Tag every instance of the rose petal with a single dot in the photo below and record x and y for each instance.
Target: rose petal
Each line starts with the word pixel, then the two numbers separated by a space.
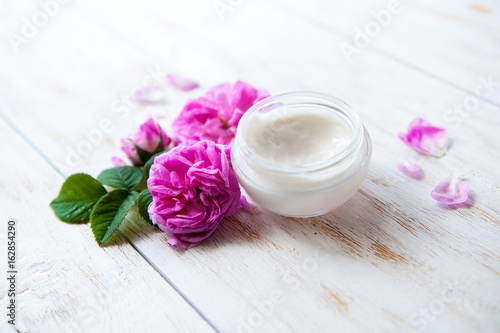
pixel 181 82
pixel 425 138
pixel 411 169
pixel 187 241
pixel 148 94
pixel 451 191
pixel 117 161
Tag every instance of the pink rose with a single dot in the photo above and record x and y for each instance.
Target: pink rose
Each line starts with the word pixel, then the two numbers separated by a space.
pixel 216 115
pixel 193 188
pixel 149 139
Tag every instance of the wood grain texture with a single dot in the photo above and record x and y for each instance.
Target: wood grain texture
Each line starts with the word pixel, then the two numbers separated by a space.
pixel 390 259
pixel 455 41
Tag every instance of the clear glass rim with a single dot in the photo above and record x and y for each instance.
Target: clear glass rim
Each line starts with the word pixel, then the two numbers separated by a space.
pixel 296 98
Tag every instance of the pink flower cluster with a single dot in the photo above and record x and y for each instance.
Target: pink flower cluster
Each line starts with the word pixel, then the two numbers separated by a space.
pixel 193 186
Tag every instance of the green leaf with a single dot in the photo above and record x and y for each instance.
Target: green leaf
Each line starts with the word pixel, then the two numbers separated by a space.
pixel 77 197
pixel 143 185
pixel 143 202
pixel 109 212
pixel 149 163
pixel 124 177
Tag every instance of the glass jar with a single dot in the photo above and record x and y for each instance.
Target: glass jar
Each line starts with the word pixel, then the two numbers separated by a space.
pixel 285 168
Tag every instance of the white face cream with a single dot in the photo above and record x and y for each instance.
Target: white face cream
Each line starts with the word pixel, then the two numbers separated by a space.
pixel 301 154
pixel 299 138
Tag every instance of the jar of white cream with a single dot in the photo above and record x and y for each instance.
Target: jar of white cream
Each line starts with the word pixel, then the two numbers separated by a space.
pixel 301 154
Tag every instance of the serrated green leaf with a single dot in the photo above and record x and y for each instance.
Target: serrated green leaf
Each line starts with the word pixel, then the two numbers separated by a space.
pixel 143 202
pixel 77 197
pixel 149 163
pixel 109 212
pixel 143 185
pixel 124 177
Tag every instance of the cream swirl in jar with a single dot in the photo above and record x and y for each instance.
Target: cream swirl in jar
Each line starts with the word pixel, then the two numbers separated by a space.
pixel 301 154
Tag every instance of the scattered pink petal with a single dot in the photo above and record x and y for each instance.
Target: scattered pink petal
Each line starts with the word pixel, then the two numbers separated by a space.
pixel 451 191
pixel 181 82
pixel 425 138
pixel 149 94
pixel 117 161
pixel 411 169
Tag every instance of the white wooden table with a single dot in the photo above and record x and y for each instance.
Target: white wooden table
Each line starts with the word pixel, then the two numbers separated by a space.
pixel 389 260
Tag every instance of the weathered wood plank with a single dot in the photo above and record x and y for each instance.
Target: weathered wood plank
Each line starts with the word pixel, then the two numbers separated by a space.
pixel 456 41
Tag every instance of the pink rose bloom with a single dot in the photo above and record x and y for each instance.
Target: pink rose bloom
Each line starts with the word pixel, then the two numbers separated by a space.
pixel 216 115
pixel 149 139
pixel 193 188
pixel 425 138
